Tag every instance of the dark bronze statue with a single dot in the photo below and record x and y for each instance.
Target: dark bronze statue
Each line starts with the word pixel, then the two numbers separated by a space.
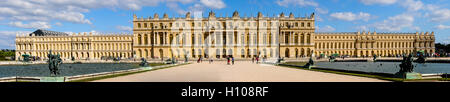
pixel 310 62
pixel 420 59
pixel 406 66
pixel 332 58
pixel 53 63
pixel 375 58
pixel 144 62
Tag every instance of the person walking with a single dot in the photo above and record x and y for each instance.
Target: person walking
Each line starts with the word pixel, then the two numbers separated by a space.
pixel 257 60
pixel 232 60
pixel 253 60
pixel 228 60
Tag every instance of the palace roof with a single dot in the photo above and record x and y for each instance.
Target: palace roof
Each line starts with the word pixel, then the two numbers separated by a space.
pixel 41 32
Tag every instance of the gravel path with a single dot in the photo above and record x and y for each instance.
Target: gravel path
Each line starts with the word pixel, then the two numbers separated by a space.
pixel 242 71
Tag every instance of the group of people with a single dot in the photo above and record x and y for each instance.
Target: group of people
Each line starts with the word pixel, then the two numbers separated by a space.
pixel 230 58
pixel 201 59
pixel 255 58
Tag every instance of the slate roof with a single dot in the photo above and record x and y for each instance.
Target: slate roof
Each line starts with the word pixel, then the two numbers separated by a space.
pixel 42 32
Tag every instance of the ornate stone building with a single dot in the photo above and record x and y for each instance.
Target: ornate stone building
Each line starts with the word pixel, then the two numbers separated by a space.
pixel 219 37
pixel 80 46
pixel 373 43
pixel 246 37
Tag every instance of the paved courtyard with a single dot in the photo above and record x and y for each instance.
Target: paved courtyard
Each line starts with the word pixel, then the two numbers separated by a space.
pixel 242 71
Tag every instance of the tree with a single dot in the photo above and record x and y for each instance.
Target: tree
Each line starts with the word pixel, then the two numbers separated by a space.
pixel 6 53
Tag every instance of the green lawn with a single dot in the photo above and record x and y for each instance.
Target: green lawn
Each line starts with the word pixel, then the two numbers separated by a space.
pixel 156 64
pixel 296 63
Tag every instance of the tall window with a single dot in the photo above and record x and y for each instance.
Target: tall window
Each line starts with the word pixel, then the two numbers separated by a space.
pixel 242 38
pixel 139 39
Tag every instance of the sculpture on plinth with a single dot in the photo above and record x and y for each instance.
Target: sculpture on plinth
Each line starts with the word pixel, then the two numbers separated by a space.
pixel 421 59
pixel 407 69
pixel 53 63
pixel 406 65
pixel 143 63
pixel 173 60
pixel 310 62
pixel 375 58
pixel 332 58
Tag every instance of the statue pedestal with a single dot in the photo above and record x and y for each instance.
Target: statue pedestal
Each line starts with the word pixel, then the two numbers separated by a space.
pixel 411 75
pixel 146 68
pixel 308 66
pixel 52 79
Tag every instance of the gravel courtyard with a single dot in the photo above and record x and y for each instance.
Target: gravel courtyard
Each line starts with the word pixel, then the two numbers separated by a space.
pixel 241 71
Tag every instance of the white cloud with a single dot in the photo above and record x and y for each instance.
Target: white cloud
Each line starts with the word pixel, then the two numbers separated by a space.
pixel 196 10
pixel 124 28
pixel 73 10
pixel 397 23
pixel 394 23
pixel 46 10
pixel 325 29
pixel 217 4
pixel 412 5
pixel 321 10
pixel 446 41
pixel 7 40
pixel 440 26
pixel 383 2
pixel 303 3
pixel 58 24
pixel 362 28
pixel 318 18
pixel 10 11
pixel 349 16
pixel 35 25
pixel 176 8
pixel 439 14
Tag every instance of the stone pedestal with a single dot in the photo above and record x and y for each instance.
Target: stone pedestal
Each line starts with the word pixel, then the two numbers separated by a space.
pixel 308 66
pixel 410 75
pixel 147 68
pixel 52 79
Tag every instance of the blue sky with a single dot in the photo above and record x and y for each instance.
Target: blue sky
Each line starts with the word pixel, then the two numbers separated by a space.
pixel 114 16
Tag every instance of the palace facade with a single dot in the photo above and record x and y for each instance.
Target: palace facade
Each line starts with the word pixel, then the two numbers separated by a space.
pixel 79 45
pixel 218 37
pixel 246 37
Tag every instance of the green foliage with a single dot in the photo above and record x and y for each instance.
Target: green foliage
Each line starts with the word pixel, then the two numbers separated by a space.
pixel 6 53
pixel 442 48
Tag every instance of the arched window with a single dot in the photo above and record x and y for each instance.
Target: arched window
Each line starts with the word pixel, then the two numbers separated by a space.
pixel 139 39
